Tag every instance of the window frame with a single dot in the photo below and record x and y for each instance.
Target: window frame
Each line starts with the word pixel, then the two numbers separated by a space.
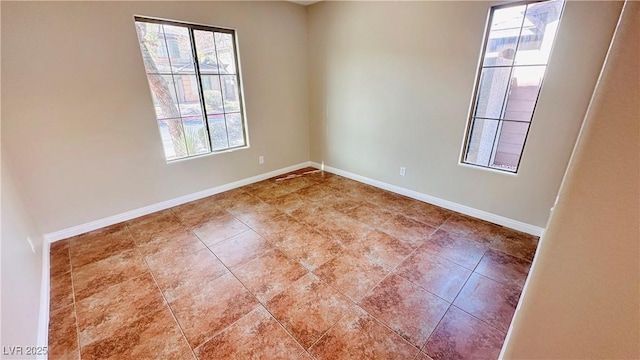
pixel 198 75
pixel 478 77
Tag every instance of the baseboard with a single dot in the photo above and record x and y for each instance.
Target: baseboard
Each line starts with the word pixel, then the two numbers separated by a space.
pixel 480 214
pixel 43 313
pixel 132 214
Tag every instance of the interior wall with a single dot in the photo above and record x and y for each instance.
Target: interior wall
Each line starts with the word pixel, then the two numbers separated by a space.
pixel 582 300
pixel 21 268
pixel 391 85
pixel 78 118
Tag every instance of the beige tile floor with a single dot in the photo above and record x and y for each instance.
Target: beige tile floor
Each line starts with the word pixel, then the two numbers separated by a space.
pixel 308 266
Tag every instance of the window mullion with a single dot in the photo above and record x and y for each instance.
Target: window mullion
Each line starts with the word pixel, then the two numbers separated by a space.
pixel 506 94
pixel 196 67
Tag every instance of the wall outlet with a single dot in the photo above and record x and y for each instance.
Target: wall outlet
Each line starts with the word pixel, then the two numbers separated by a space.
pixel 403 170
pixel 261 160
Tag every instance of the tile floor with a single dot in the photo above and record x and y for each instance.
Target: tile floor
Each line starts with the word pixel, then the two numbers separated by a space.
pixel 307 266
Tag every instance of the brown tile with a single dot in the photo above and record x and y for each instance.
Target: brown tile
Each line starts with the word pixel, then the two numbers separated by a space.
pixel 461 336
pixel 408 230
pixel 278 229
pixel 102 314
pixel 470 228
pixel 159 228
pixel 188 274
pixel 351 273
pixel 255 336
pixel 344 229
pixel 427 213
pixel 61 292
pixel 268 275
pixel 382 249
pixel 314 214
pixel 504 268
pixel 341 183
pixel 304 356
pixel 289 202
pixel 157 216
pixel 308 308
pixel 97 276
pixel 489 300
pixel 255 212
pixel 178 246
pixel 310 248
pixel 434 274
pixel 423 356
pixel 462 251
pixel 155 336
pixel 410 311
pixel 241 248
pixel 99 245
pixel 359 336
pixel 63 336
pixel 316 192
pixel 340 202
pixel 219 228
pixel 206 312
pixel 59 261
pixel 362 191
pixel 370 214
pixel 196 212
pixel 321 176
pixel 394 202
pixel 515 243
pixel 274 190
pixel 230 198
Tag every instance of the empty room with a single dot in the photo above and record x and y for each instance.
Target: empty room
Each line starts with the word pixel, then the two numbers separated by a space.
pixel 320 179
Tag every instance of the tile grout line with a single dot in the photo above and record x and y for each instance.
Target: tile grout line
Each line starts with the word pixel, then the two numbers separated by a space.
pixel 155 282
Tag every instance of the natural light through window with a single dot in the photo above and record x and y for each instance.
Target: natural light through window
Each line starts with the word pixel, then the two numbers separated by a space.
pixel 195 85
pixel 515 58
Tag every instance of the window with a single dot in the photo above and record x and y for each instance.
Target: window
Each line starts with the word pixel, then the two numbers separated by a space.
pixel 513 64
pixel 195 85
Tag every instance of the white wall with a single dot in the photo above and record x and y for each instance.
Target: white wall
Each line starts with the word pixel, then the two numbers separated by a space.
pixel 391 85
pixel 583 296
pixel 77 114
pixel 21 267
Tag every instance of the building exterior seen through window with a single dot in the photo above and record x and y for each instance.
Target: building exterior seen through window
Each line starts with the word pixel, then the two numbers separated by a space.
pixel 515 57
pixel 195 86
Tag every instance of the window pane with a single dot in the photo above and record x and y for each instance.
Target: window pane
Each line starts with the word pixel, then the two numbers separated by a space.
pixel 480 143
pixel 230 93
pixel 523 94
pixel 503 35
pixel 234 129
pixel 195 135
pixel 179 49
pixel 539 31
pixel 164 96
pixel 491 92
pixel 172 136
pixel 212 94
pixel 218 132
pixel 206 52
pixel 153 47
pixel 510 145
pixel 188 95
pixel 226 58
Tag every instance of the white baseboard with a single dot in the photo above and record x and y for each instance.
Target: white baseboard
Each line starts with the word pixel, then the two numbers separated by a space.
pixel 132 214
pixel 43 313
pixel 480 214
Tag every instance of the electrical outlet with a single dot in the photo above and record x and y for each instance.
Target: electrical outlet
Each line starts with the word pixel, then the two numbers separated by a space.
pixel 403 170
pixel 261 160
